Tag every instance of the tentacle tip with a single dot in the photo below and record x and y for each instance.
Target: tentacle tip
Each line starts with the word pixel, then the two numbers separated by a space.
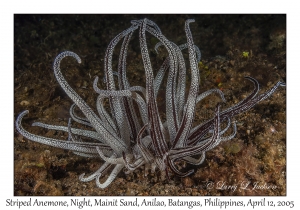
pixel 249 78
pixel 25 112
pixel 127 171
pixel 282 84
pixel 81 176
pixel 96 81
pixel 219 105
pixel 190 20
pixel 22 114
pixel 191 171
pixel 187 173
pixel 35 124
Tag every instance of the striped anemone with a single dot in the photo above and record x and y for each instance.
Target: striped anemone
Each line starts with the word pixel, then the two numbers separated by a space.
pixel 134 133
